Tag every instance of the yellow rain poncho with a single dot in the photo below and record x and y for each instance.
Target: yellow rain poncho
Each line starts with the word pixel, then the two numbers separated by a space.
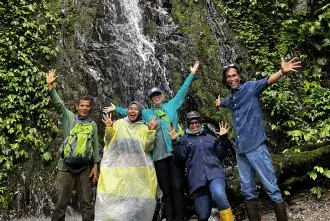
pixel 127 184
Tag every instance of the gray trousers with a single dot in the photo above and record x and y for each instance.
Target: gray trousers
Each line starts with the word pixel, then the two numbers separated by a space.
pixel 65 183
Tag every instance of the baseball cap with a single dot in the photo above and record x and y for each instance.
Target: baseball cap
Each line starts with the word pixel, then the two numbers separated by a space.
pixel 154 90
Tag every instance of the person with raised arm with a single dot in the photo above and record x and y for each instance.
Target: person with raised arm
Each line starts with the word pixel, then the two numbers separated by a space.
pixel 252 155
pixel 169 173
pixel 127 184
pixel 203 154
pixel 79 169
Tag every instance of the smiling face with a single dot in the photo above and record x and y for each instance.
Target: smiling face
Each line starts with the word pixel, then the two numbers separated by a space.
pixel 133 112
pixel 157 99
pixel 195 126
pixel 232 78
pixel 84 107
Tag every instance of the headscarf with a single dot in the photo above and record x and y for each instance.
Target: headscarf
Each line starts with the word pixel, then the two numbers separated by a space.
pixel 139 105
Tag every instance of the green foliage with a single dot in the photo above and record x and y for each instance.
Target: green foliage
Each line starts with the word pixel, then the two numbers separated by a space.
pixel 287 191
pixel 314 175
pixel 202 44
pixel 27 31
pixel 299 103
pixel 318 191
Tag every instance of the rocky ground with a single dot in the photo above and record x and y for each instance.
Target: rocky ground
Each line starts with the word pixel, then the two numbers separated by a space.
pixel 305 207
pixel 301 207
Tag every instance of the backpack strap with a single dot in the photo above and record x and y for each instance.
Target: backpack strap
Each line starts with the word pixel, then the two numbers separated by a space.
pixel 162 115
pixel 67 137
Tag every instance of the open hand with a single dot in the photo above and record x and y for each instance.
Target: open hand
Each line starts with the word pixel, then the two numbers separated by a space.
pixel 293 65
pixel 109 109
pixel 94 173
pixel 172 132
pixel 107 120
pixel 50 78
pixel 193 70
pixel 152 123
pixel 218 101
pixel 224 127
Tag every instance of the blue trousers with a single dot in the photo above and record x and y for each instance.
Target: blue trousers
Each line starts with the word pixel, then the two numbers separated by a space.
pixel 203 204
pixel 258 162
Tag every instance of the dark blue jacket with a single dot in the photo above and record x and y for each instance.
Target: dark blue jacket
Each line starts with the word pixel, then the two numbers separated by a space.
pixel 203 153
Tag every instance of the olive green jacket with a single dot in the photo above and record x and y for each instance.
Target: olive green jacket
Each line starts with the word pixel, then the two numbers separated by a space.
pixel 67 119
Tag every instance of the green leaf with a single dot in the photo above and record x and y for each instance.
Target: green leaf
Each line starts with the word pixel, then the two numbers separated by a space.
pixel 312 175
pixel 327 173
pixel 319 169
pixel 286 193
pixel 47 156
pixel 317 191
pixel 297 150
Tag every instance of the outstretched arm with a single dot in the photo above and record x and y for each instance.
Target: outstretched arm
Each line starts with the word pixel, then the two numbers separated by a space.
pixel 293 65
pixel 221 102
pixel 60 108
pixel 119 110
pixel 194 69
pixel 180 96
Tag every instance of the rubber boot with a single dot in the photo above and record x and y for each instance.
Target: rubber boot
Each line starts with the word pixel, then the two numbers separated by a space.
pixel 252 209
pixel 226 215
pixel 280 211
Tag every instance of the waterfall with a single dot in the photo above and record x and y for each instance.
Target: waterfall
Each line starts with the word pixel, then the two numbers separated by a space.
pixel 120 57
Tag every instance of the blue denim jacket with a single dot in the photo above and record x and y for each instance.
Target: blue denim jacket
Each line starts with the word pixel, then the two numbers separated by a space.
pixel 203 154
pixel 245 105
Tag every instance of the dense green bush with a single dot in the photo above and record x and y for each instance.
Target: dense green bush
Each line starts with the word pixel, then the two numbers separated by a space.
pixel 271 30
pixel 299 103
pixel 27 31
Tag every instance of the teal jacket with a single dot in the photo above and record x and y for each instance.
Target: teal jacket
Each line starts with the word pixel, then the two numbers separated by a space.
pixel 171 108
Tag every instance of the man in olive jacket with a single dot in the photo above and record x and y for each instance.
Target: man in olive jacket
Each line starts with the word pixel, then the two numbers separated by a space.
pixel 66 179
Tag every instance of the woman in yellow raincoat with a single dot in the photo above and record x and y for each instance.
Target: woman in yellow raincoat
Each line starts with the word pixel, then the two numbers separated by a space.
pixel 127 184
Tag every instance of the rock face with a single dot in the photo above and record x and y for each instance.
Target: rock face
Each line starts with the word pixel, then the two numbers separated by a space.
pixel 115 50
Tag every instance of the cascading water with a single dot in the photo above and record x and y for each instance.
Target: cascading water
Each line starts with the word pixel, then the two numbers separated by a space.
pixel 120 57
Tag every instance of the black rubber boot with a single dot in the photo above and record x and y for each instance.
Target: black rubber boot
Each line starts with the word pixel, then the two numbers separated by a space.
pixel 252 209
pixel 280 211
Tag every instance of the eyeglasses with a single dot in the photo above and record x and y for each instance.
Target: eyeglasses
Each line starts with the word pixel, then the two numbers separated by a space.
pixel 192 123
